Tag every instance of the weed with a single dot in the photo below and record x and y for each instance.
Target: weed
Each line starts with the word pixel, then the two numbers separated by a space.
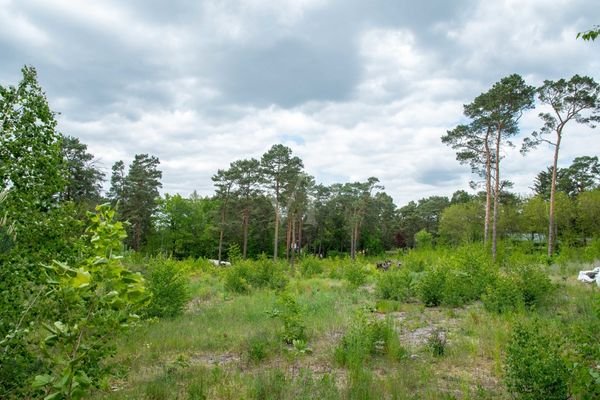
pixel 355 274
pixel 368 337
pixel 431 287
pixel 395 285
pixel 258 347
pixel 534 368
pixel 311 266
pixel 288 310
pixel 169 287
pixel 437 342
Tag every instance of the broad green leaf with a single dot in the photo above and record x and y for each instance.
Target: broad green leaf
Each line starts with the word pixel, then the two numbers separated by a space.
pixel 82 278
pixel 41 381
pixel 62 328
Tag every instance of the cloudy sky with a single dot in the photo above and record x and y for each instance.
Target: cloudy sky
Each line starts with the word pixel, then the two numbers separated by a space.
pixel 356 88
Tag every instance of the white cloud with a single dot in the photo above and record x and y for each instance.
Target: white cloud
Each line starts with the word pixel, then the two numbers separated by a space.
pixel 128 84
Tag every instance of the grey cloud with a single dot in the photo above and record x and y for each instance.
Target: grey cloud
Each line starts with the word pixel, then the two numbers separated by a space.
pixel 200 84
pixel 440 176
pixel 287 73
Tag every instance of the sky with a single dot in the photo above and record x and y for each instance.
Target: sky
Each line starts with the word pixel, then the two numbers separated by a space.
pixel 355 88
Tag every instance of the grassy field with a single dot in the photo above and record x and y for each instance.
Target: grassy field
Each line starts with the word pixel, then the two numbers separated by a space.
pixel 328 333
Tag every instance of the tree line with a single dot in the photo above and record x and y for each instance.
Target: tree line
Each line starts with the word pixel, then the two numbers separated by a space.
pixel 272 205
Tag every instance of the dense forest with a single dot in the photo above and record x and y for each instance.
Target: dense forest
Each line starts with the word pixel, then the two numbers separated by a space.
pixel 65 288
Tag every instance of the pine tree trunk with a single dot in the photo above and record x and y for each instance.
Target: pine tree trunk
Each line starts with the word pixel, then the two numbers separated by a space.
pixel 300 227
pixel 352 255
pixel 488 189
pixel 496 196
pixel 245 223
pixel 138 236
pixel 356 233
pixel 221 235
pixel 293 242
pixel 288 238
pixel 551 216
pixel 276 239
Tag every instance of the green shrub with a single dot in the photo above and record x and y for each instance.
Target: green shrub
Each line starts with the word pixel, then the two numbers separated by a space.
pixel 417 261
pixel 270 385
pixel 431 287
pixel 475 261
pixel 504 295
pixel 311 266
pixel 258 347
pixel 355 274
pixel 367 337
pixel 463 285
pixel 169 288
pixel 533 367
pixel 436 342
pixel 585 352
pixel 458 288
pixel 234 254
pixel 262 273
pixel 289 312
pixel 395 285
pixel 237 277
pixel 266 273
pixel 363 386
pixel 423 240
pixel 334 267
pixel 591 252
pixel 535 284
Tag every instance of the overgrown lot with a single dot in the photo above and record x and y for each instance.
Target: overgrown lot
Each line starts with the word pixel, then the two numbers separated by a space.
pixel 445 324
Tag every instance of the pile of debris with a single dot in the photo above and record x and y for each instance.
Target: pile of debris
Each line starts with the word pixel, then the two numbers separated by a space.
pixel 590 276
pixel 387 264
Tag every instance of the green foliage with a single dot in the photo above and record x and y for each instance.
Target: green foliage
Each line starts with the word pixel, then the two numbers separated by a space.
pixel 423 239
pixel 29 148
pixel 395 285
pixel 168 285
pixel 417 261
pixel 436 342
pixel 469 271
pixel 504 295
pixel 137 194
pixel 289 312
pixel 273 384
pixel 267 273
pixel 590 34
pixel 262 273
pixel 311 266
pixel 431 286
pixel 258 347
pixel 367 337
pixel 462 223
pixel 270 385
pixel 592 251
pixel 281 172
pixel 355 274
pixel 236 278
pixel 84 179
pixel 234 254
pixel 96 298
pixel 184 227
pixel 533 367
pixel 525 286
pixel 588 212
pixel 535 284
pixel 585 352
